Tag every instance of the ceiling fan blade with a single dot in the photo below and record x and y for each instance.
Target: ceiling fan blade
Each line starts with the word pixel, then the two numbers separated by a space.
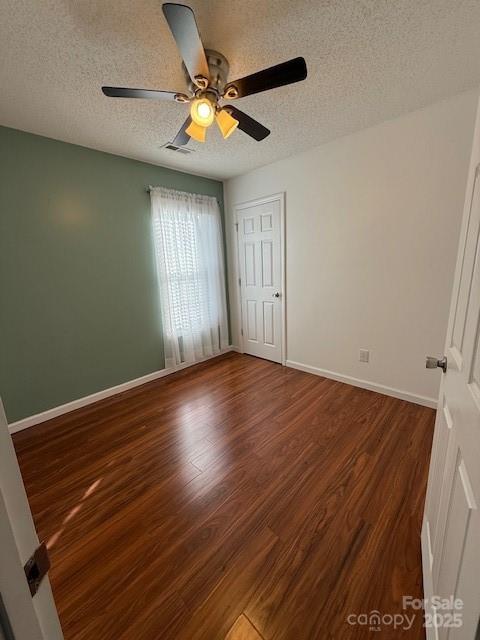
pixel 277 76
pixel 182 138
pixel 247 124
pixel 183 26
pixel 149 94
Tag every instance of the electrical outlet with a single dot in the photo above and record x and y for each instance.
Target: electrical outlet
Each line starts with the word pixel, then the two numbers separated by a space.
pixel 364 355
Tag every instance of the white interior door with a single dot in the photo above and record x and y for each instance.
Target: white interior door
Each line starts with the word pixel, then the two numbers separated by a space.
pixel 22 616
pixel 260 258
pixel 451 527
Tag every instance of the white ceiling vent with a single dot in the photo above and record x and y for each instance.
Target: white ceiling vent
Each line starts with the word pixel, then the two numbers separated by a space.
pixel 173 147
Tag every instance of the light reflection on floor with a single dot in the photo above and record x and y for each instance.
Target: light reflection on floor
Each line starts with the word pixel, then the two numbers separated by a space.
pixel 198 441
pixel 72 513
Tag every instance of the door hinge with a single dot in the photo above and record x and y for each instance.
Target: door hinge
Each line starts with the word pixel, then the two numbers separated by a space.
pixel 241 332
pixel 236 227
pixel 239 282
pixel 36 567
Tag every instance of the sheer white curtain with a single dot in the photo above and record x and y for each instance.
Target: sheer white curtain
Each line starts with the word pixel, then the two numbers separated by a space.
pixel 189 254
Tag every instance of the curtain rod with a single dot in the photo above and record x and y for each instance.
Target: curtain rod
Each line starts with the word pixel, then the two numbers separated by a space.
pixel 149 188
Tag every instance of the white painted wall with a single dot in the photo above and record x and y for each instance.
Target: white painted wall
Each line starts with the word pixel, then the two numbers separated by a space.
pixel 371 238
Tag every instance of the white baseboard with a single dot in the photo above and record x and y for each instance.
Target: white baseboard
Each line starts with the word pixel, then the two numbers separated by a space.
pixel 130 384
pixel 365 384
pixel 100 395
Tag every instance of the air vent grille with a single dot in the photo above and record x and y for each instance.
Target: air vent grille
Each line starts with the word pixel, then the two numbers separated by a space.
pixel 172 147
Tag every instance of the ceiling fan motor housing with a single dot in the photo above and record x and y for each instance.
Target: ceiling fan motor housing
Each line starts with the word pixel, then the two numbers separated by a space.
pixel 218 67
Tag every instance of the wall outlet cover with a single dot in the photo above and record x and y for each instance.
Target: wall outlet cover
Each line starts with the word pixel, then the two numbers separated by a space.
pixel 364 355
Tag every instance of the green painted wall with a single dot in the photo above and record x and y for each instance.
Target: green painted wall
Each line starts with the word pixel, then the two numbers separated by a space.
pixel 79 305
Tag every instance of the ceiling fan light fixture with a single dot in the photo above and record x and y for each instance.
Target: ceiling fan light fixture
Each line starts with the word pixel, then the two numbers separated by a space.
pixel 196 131
pixel 202 112
pixel 226 123
pixel 206 73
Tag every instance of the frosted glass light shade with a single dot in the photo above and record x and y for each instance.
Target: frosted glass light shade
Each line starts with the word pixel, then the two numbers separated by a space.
pixel 226 123
pixel 202 112
pixel 196 132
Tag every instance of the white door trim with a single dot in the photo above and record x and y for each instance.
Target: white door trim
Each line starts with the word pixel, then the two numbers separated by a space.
pixel 237 208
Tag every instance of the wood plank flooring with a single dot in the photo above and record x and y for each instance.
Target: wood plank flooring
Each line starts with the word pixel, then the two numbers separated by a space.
pixel 236 499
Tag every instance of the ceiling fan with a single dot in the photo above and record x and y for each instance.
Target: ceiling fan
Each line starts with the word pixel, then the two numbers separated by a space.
pixel 206 73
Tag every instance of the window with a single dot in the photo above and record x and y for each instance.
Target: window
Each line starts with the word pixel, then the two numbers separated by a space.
pixel 191 273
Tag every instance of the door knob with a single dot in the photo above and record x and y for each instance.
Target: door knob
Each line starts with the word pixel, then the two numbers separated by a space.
pixel 276 294
pixel 433 363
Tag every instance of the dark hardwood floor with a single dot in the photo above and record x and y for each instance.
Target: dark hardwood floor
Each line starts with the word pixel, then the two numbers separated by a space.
pixel 233 499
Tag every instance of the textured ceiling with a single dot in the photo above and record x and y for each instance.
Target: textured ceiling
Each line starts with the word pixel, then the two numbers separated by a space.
pixel 368 61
